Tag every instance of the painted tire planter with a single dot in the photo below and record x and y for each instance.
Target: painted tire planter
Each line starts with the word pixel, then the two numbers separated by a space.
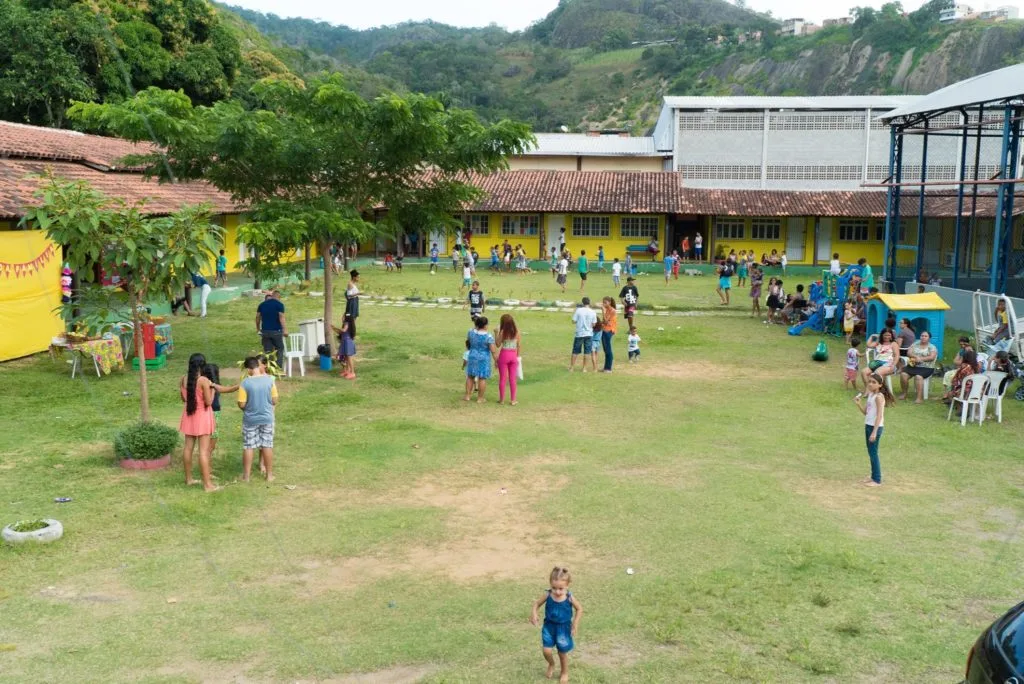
pixel 528 302
pixel 562 305
pixel 444 300
pixel 511 302
pixel 51 533
pixel 145 464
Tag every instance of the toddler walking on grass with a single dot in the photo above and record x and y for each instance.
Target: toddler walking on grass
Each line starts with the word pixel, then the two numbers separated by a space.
pixel 562 613
pixel 852 364
pixel 633 345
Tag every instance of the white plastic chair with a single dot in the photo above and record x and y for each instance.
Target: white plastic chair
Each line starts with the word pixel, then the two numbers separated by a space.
pixel 995 382
pixel 971 400
pixel 869 356
pixel 295 348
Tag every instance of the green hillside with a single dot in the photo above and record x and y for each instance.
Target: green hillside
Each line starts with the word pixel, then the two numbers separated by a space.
pixel 589 63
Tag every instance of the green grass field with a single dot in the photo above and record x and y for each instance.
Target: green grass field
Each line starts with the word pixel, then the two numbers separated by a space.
pixel 723 469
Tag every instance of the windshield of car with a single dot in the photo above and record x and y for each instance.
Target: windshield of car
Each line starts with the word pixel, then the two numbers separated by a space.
pixel 1011 641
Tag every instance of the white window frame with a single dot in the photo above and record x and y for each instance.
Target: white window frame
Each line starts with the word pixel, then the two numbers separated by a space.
pixel 639 227
pixel 588 226
pixel 520 224
pixel 766 228
pixel 846 225
pixel 477 224
pixel 730 228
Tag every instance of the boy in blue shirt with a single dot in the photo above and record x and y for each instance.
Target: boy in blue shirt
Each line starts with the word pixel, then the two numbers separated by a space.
pixel 222 271
pixel 257 397
pixel 433 258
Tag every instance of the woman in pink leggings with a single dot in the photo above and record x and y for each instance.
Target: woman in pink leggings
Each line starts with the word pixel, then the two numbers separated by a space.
pixel 507 342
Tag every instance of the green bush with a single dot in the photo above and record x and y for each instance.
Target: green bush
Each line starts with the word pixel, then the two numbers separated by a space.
pixel 145 441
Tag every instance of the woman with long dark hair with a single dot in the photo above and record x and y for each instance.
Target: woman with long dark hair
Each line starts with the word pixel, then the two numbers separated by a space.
pixel 508 343
pixel 197 419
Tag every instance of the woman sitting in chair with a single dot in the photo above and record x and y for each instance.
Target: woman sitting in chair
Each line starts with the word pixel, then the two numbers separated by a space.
pixel 887 355
pixel 652 248
pixel 921 357
pixel 968 366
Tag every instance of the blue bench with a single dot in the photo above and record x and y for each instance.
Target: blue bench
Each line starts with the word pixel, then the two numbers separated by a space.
pixel 640 249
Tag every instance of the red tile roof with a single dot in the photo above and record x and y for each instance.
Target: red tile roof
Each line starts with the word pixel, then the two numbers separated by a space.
pixel 592 192
pixel 35 142
pixel 17 187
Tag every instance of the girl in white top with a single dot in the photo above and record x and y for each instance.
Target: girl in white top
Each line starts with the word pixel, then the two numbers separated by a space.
pixel 834 267
pixel 873 409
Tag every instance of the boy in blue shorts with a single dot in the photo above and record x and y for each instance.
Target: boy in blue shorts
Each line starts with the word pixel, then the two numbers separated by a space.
pixel 222 271
pixel 257 397
pixel 433 258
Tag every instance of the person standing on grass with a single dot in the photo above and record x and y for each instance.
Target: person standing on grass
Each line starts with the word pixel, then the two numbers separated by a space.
pixel 270 324
pixel 509 344
pixel 347 346
pixel 685 247
pixel 477 301
pixel 352 295
pixel 698 247
pixel 197 422
pixel 257 397
pixel 560 622
pixel 616 271
pixel 585 318
pixel 756 279
pixel 676 259
pixel 582 266
pixel 670 261
pixel 600 258
pixel 563 271
pixel 633 345
pixel 608 330
pixel 222 270
pixel 561 240
pixel 873 409
pixel 629 264
pixel 482 353
pixel 434 253
pixel 724 281
pixel 630 296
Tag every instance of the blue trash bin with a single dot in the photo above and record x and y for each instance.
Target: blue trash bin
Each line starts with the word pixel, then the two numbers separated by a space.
pixel 325 362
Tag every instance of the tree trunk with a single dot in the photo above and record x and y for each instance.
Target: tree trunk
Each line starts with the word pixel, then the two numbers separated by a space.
pixel 140 353
pixel 328 299
pixel 309 275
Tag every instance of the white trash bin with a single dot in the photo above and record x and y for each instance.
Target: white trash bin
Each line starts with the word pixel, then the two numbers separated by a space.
pixel 313 331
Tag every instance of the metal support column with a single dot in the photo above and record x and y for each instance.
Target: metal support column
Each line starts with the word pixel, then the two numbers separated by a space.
pixel 974 192
pixel 919 262
pixel 997 265
pixel 960 200
pixel 1005 207
pixel 892 214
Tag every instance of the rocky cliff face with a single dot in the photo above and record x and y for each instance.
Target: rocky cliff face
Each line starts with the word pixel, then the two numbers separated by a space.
pixel 835 69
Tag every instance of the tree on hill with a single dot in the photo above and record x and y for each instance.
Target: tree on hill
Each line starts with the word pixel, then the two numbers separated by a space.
pixel 315 162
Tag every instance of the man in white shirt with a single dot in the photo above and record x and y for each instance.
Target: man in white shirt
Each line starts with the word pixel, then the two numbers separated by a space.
pixel 616 272
pixel 585 318
pixel 563 272
pixel 834 267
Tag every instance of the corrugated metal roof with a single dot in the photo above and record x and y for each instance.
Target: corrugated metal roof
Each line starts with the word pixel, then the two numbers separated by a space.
pixel 995 86
pixel 579 144
pixel 770 102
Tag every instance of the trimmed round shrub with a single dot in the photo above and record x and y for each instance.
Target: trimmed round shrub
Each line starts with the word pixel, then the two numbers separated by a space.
pixel 145 441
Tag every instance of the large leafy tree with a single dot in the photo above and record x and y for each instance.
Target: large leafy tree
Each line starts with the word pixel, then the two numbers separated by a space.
pixel 314 162
pixel 154 255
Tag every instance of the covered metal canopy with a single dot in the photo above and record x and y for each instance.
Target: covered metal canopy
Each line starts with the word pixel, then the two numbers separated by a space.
pixel 983 111
pixel 996 87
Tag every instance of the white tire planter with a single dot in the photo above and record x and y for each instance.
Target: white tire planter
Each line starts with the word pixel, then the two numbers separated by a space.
pixel 444 300
pixel 511 302
pixel 561 304
pixel 51 533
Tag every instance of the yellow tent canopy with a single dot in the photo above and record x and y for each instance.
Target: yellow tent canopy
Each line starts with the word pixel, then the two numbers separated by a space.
pixel 924 301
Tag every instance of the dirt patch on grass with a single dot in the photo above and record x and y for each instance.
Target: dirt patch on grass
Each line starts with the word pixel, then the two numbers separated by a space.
pixel 492 532
pixel 846 496
pixel 206 672
pixel 994 524
pixel 705 370
pixel 612 656
pixel 400 674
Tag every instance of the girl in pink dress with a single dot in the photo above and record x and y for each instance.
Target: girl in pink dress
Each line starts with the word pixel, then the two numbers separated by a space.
pixel 197 421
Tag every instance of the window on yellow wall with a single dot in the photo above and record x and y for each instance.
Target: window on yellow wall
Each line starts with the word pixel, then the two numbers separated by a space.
pixel 765 229
pixel 853 230
pixel 477 224
pixel 638 227
pixel 591 226
pixel 901 233
pixel 729 228
pixel 520 225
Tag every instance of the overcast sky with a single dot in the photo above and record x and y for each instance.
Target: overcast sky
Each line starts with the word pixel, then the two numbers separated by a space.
pixel 515 14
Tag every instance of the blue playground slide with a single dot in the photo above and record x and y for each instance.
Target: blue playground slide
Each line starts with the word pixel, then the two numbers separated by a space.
pixel 816 322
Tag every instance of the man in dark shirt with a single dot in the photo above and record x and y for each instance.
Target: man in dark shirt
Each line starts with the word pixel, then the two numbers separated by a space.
pixel 477 301
pixel 270 324
pixel 629 296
